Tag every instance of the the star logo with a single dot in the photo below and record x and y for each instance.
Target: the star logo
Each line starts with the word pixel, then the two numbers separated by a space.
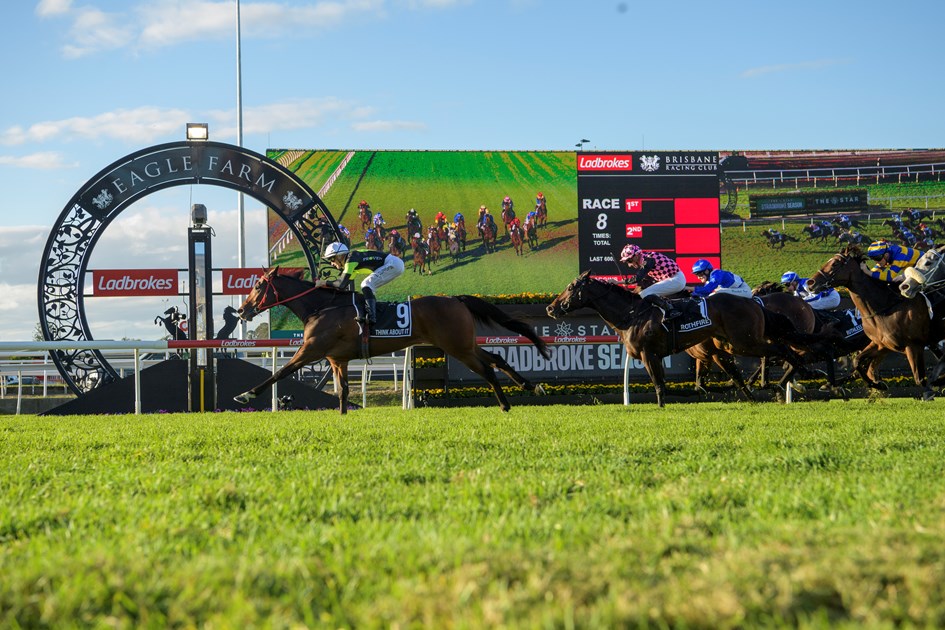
pixel 563 329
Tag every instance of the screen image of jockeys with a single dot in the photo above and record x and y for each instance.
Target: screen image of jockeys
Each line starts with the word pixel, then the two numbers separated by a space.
pixel 663 201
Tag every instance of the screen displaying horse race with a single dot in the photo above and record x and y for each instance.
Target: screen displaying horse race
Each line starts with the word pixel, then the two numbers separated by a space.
pixel 520 222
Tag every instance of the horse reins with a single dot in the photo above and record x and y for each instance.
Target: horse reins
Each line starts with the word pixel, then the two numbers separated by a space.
pixel 278 302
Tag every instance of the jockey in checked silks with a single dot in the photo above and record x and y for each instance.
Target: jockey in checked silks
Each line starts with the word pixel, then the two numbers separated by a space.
pixel 663 270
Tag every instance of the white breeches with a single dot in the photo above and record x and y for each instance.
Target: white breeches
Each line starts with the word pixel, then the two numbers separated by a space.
pixel 666 287
pixel 393 266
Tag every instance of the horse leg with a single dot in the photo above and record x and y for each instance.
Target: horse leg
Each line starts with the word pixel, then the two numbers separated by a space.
pixel 702 370
pixel 497 362
pixel 865 364
pixel 916 355
pixel 728 365
pixel 483 368
pixel 340 370
pixel 303 356
pixel 654 367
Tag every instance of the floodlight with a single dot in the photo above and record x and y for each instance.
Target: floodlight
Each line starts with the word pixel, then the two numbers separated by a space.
pixel 198 131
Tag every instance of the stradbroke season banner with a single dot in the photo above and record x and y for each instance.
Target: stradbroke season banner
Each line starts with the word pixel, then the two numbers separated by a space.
pixel 579 347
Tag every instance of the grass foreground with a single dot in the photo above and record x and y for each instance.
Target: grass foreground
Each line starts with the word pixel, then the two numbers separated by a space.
pixel 700 515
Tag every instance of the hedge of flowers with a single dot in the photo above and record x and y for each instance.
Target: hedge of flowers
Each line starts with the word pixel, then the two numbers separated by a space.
pixel 576 389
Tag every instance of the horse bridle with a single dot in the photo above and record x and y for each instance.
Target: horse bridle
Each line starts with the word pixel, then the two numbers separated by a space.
pixel 575 291
pixel 829 277
pixel 261 306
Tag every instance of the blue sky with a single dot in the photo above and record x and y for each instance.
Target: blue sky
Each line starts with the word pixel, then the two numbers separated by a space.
pixel 88 82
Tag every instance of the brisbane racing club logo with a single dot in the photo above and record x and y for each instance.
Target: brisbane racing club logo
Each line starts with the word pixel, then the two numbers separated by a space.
pixel 650 163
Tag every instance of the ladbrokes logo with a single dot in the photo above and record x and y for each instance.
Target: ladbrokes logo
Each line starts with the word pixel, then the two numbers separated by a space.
pixel 605 163
pixel 115 282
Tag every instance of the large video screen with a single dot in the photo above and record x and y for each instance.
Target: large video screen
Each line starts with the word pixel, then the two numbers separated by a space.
pixel 451 184
pixel 725 206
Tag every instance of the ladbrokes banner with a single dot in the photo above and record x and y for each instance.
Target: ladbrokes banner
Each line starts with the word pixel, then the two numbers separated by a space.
pixel 134 282
pixel 159 282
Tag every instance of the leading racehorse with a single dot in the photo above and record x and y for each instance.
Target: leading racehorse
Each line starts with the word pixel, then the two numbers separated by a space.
pixel 331 331
pixel 892 323
pixel 742 325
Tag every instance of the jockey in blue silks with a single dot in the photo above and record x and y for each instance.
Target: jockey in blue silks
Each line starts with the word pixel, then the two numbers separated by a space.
pixel 891 260
pixel 826 300
pixel 718 281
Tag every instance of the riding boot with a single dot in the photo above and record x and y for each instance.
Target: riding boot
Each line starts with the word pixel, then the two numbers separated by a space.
pixel 370 305
pixel 669 311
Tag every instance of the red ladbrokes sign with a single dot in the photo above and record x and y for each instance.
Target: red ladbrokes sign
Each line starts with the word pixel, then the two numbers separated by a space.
pixel 134 282
pixel 609 162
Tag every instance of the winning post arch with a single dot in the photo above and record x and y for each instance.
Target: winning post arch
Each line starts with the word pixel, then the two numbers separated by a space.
pixel 131 178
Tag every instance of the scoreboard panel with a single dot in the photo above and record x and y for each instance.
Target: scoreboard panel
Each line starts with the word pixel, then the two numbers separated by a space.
pixel 662 201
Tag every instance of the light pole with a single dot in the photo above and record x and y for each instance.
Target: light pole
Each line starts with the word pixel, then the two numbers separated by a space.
pixel 240 205
pixel 580 145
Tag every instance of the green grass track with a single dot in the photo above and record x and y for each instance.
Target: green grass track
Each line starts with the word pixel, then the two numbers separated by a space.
pixel 701 515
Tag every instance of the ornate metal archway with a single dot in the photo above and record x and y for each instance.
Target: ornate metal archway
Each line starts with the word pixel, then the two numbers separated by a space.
pixel 107 194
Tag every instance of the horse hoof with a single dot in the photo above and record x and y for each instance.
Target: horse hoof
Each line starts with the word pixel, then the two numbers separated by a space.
pixel 798 387
pixel 242 398
pixel 540 389
pixel 928 396
pixel 879 386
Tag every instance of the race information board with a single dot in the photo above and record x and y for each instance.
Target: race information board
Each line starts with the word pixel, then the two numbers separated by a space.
pixel 663 201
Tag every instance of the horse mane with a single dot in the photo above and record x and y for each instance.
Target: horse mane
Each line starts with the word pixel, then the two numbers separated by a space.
pixel 853 251
pixel 616 289
pixel 296 274
pixel 767 287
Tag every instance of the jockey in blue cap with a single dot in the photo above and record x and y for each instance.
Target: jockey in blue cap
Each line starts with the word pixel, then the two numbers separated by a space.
pixel 718 281
pixel 824 301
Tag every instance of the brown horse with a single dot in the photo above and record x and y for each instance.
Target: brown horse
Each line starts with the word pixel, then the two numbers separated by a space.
pixel 461 234
pixel 452 241
pixel 373 240
pixel 365 216
pixel 420 255
pixel 508 215
pixel 541 210
pixel 531 234
pixel 433 245
pixel 804 320
pixel 743 326
pixel 332 332
pixel 396 244
pixel 488 237
pixel 515 235
pixel 891 322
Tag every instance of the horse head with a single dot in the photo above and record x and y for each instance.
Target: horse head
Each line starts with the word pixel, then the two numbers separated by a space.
pixel 573 297
pixel 259 296
pixel 840 270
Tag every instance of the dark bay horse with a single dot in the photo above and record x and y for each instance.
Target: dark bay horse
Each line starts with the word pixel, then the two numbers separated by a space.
pixel 829 344
pixel 891 322
pixel 330 331
pixel 742 326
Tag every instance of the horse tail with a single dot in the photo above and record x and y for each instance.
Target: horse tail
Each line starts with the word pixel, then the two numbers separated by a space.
pixel 489 313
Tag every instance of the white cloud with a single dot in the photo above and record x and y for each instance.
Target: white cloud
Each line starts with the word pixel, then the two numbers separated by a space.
pixel 46 8
pixel 49 160
pixel 93 31
pixel 160 23
pixel 388 125
pixel 174 21
pixel 752 73
pixel 293 114
pixel 135 126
